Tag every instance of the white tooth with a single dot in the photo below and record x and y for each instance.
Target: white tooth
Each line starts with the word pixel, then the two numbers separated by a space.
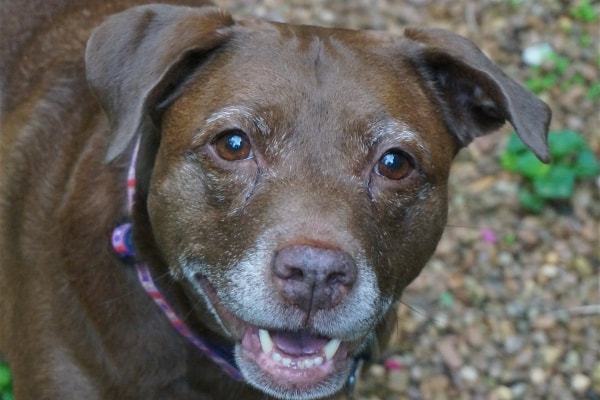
pixel 265 341
pixel 286 361
pixel 276 357
pixel 318 361
pixel 331 348
pixel 309 363
pixel 301 364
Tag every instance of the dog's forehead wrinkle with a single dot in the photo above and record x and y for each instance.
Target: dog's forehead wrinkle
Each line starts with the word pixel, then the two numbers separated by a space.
pixel 238 114
pixel 398 132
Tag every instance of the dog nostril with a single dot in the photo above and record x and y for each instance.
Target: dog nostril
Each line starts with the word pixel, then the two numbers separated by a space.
pixel 336 279
pixel 295 273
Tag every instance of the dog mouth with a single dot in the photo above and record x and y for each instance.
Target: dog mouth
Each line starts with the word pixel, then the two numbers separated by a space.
pixel 288 364
pixel 297 358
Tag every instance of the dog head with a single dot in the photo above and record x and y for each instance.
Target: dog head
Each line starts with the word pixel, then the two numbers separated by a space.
pixel 295 177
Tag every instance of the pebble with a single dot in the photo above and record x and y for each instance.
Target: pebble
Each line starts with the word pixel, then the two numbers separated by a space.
pixel 537 376
pixel 551 355
pixel 536 55
pixel 398 380
pixel 446 347
pixel 583 266
pixel 377 371
pixel 513 344
pixel 502 393
pixel 580 383
pixel 469 373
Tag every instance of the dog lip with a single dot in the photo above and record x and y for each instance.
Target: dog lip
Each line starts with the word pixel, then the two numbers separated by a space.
pixel 234 325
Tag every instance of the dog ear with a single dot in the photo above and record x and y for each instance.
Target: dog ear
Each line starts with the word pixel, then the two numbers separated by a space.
pixel 475 95
pixel 135 57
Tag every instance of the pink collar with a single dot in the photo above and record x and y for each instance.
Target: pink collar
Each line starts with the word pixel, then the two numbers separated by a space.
pixel 123 244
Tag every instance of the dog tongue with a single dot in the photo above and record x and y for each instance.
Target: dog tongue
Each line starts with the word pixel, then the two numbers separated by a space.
pixel 298 344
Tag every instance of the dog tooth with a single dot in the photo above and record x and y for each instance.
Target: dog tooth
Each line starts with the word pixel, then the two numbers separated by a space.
pixel 301 364
pixel 286 361
pixel 331 348
pixel 265 341
pixel 276 357
pixel 309 363
pixel 318 361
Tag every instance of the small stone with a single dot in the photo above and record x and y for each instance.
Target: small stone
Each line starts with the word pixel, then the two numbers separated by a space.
pixel 583 267
pixel 377 371
pixel 535 55
pixel 518 390
pixel 447 349
pixel 572 361
pixel 398 380
pixel 551 355
pixel 596 377
pixel 469 373
pixel 513 344
pixel 550 270
pixel 544 322
pixel 537 376
pixel 503 393
pixel 580 383
pixel 528 238
pixel 434 387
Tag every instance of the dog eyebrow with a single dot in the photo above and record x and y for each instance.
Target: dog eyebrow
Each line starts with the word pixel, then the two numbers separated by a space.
pixel 394 131
pixel 242 115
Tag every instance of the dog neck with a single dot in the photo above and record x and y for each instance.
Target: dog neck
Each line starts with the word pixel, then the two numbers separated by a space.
pixel 122 243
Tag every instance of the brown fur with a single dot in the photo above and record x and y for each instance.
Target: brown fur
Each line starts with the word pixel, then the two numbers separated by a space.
pixel 74 321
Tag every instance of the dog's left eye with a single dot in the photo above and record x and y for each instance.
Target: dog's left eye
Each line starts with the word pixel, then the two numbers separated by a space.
pixel 394 165
pixel 233 146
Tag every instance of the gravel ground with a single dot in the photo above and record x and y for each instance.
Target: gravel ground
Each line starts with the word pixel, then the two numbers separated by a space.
pixel 509 306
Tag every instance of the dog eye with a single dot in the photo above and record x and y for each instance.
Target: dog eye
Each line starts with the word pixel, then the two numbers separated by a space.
pixel 233 146
pixel 394 164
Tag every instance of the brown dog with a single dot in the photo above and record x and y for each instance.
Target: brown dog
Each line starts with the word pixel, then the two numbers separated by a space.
pixel 290 182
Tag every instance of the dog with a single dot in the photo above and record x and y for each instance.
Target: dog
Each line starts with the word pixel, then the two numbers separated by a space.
pixel 198 207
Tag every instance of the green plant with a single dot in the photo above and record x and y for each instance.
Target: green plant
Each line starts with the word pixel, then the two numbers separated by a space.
pixel 572 159
pixel 584 11
pixel 545 77
pixel 5 382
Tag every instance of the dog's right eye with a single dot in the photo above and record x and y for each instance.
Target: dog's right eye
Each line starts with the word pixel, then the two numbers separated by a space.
pixel 233 145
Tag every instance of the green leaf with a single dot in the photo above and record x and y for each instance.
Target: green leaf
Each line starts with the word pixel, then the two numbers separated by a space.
pixel 530 200
pixel 508 161
pixel 564 143
pixel 593 92
pixel 529 165
pixel 586 164
pixel 514 144
pixel 559 183
pixel 4 377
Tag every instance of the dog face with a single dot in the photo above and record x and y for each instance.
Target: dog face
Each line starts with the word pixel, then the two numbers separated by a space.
pixel 290 194
pixel 295 179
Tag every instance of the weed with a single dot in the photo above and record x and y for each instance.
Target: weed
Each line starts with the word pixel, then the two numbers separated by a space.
pixel 572 160
pixel 584 12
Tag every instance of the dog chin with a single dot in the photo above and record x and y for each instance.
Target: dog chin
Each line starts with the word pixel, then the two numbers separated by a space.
pixel 287 364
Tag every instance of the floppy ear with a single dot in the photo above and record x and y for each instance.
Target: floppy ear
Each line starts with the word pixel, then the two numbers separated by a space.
pixel 475 95
pixel 135 57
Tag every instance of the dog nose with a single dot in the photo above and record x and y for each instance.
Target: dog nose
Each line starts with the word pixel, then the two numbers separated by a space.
pixel 313 278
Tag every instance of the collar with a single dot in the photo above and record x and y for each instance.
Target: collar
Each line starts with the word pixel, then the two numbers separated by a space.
pixel 122 243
